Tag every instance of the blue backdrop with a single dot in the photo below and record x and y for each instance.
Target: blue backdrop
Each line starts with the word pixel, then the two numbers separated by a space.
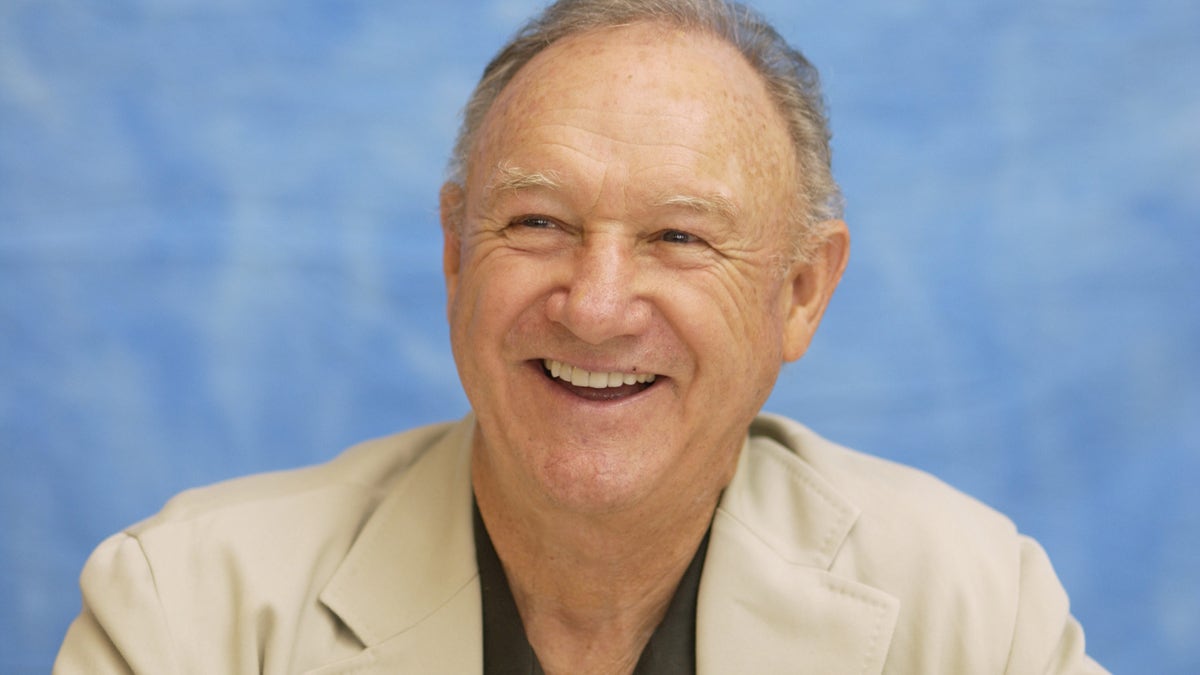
pixel 219 254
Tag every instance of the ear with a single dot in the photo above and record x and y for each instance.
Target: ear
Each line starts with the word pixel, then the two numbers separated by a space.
pixel 811 286
pixel 452 204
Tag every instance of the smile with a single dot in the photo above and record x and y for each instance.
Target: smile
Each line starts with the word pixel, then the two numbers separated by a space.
pixel 584 378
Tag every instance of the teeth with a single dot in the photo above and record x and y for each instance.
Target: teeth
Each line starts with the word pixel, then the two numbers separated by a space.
pixel 579 377
pixel 582 378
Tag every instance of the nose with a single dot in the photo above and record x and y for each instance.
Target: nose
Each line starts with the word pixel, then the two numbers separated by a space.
pixel 601 298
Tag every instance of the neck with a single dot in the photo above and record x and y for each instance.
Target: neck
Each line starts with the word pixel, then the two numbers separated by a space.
pixel 591 587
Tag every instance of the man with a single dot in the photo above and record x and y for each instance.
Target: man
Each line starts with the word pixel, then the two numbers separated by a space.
pixel 640 229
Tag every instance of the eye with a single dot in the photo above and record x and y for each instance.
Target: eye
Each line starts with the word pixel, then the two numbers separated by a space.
pixel 534 222
pixel 536 234
pixel 679 237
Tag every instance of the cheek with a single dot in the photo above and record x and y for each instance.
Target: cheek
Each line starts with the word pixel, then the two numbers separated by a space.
pixel 497 294
pixel 734 305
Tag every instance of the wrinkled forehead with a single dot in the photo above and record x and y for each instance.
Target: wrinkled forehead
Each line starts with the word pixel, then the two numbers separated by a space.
pixel 645 84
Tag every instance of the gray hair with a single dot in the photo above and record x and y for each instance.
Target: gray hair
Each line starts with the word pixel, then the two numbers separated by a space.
pixel 790 79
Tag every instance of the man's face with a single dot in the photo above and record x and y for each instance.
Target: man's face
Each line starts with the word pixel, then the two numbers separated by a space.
pixel 621 296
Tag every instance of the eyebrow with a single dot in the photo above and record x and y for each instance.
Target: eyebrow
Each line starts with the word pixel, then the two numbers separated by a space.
pixel 510 178
pixel 713 204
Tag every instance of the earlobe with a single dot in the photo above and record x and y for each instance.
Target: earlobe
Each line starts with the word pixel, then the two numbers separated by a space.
pixel 811 286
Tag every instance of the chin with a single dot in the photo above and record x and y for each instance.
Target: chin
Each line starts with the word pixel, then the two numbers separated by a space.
pixel 595 482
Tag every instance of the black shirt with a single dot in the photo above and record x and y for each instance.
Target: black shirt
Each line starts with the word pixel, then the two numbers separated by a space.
pixel 506 650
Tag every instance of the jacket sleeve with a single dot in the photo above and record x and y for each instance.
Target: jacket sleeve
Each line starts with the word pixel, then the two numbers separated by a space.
pixel 122 627
pixel 1046 638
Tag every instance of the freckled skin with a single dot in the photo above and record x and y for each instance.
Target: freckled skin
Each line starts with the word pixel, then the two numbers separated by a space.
pixel 622 117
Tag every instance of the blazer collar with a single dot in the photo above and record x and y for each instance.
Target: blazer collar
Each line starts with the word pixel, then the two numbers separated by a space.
pixel 409 591
pixel 768 601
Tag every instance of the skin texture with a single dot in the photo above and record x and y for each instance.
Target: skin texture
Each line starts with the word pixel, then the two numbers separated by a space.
pixel 625 210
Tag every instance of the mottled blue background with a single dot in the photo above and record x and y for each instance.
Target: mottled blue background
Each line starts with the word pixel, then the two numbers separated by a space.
pixel 219 254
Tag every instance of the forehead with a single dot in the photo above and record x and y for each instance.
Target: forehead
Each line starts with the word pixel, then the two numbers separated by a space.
pixel 658 98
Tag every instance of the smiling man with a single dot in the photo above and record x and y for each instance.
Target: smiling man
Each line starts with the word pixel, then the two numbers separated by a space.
pixel 640 230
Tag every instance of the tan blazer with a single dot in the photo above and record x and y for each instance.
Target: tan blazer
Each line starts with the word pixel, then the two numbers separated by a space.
pixel 821 560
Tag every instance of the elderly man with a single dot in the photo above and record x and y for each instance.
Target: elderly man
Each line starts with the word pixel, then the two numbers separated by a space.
pixel 640 229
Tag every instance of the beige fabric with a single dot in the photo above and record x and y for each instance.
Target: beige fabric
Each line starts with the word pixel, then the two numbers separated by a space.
pixel 821 560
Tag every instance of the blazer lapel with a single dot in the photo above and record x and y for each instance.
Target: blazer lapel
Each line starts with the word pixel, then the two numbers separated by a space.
pixel 768 602
pixel 409 587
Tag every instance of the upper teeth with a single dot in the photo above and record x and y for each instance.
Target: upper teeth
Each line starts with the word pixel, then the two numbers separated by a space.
pixel 583 378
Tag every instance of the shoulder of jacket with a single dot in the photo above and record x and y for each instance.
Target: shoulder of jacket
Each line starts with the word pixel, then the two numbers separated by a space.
pixel 881 487
pixel 360 474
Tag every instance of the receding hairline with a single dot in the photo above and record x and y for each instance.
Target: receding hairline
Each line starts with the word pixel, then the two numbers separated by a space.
pixel 793 85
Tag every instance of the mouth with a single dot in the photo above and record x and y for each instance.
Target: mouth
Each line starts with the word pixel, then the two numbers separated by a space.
pixel 597 386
